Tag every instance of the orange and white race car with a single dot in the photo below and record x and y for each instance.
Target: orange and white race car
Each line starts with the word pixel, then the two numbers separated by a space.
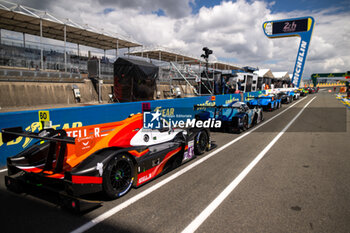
pixel 110 157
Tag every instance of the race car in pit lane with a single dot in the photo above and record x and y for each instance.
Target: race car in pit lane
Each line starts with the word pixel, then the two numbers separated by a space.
pixel 286 97
pixel 235 117
pixel 268 102
pixel 110 157
pixel 312 90
pixel 303 91
pixel 296 94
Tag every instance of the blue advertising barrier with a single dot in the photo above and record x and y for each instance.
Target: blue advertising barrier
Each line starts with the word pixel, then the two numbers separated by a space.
pixel 63 118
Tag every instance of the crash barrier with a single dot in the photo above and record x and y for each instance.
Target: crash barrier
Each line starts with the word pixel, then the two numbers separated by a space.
pixel 63 118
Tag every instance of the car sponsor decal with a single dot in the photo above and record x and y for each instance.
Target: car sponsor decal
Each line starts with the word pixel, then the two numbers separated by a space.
pixel 153 172
pixel 189 153
pixel 83 145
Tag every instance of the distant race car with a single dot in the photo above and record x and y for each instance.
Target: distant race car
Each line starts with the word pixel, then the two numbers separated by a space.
pixel 286 97
pixel 111 158
pixel 296 94
pixel 308 89
pixel 303 91
pixel 268 102
pixel 312 90
pixel 235 117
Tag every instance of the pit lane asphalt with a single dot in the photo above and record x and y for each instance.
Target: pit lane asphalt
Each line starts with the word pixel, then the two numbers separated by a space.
pixel 301 185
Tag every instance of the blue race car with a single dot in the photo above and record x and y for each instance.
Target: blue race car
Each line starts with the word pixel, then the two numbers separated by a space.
pixel 268 102
pixel 286 97
pixel 235 117
pixel 296 94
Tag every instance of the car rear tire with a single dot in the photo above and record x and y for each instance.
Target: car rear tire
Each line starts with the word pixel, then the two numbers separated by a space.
pixel 201 142
pixel 255 119
pixel 270 106
pixel 118 176
pixel 245 123
pixel 261 116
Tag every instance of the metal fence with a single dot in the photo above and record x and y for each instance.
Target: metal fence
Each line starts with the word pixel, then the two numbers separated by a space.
pixel 16 54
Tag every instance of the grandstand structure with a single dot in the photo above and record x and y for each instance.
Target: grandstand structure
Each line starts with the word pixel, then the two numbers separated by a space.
pixel 39 57
pixel 166 55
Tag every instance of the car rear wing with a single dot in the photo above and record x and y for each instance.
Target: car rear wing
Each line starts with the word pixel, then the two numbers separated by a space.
pixel 53 136
pixel 9 134
pixel 259 97
pixel 196 107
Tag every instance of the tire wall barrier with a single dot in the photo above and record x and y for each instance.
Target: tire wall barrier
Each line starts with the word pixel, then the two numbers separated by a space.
pixel 62 118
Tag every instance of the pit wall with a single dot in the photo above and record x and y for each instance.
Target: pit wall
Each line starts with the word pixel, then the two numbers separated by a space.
pixel 26 94
pixel 62 118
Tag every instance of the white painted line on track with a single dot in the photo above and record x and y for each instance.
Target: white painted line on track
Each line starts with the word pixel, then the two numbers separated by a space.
pixel 197 222
pixel 144 193
pixel 3 170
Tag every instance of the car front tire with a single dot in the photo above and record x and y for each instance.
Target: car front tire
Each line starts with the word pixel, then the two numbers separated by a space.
pixel 201 142
pixel 118 176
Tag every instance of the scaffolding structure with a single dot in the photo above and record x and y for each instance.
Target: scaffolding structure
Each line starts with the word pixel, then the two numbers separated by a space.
pixel 177 67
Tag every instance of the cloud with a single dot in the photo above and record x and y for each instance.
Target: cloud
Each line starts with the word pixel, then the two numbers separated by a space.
pixel 36 4
pixel 173 9
pixel 233 30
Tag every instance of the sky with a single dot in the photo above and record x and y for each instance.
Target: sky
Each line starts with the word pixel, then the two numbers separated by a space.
pixel 232 29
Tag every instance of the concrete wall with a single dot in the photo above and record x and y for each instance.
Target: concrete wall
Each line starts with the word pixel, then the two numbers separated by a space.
pixel 34 93
pixel 23 94
pixel 165 93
